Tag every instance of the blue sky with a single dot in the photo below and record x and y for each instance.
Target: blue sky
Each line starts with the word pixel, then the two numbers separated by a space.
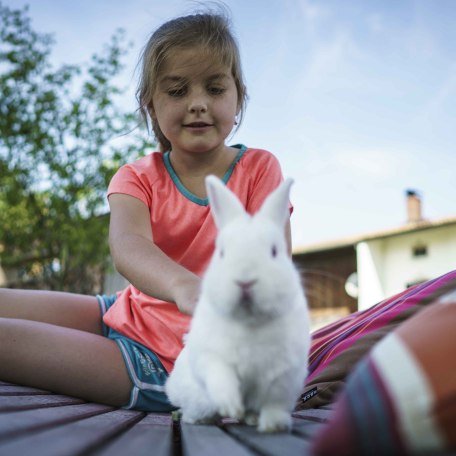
pixel 356 98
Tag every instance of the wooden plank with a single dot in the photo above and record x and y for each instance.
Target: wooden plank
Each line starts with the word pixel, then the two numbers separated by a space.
pixel 305 428
pixel 319 415
pixel 13 424
pixel 152 435
pixel 205 440
pixel 279 444
pixel 16 390
pixel 77 438
pixel 15 403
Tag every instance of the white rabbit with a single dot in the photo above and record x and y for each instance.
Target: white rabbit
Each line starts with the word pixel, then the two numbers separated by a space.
pixel 245 356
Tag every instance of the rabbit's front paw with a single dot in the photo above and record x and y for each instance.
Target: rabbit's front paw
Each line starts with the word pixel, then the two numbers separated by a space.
pixel 226 398
pixel 229 404
pixel 274 420
pixel 231 408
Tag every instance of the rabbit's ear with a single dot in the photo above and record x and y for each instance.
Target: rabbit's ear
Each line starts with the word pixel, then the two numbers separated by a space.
pixel 225 206
pixel 275 206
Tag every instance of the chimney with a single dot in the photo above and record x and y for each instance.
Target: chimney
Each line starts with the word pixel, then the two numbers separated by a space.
pixel 414 214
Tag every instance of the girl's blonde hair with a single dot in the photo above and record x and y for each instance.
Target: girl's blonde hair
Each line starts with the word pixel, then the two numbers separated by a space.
pixel 211 32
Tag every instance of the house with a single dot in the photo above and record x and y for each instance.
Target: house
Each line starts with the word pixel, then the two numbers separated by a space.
pixel 350 274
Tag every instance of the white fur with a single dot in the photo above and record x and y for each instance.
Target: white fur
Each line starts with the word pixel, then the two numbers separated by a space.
pixel 246 353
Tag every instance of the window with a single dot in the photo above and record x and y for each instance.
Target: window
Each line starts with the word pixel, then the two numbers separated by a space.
pixel 419 250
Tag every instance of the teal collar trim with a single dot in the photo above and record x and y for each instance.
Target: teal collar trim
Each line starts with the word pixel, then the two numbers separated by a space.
pixel 180 186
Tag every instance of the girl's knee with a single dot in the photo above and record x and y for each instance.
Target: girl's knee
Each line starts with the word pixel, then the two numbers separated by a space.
pixel 9 301
pixel 9 327
pixel 5 294
pixel 10 333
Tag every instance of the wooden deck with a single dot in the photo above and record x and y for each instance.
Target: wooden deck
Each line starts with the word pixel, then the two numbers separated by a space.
pixel 43 424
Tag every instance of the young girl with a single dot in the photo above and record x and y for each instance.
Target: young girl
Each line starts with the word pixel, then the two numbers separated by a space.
pixel 119 350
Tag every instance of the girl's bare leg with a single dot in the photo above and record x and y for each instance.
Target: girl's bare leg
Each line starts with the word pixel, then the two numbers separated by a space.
pixel 63 360
pixel 63 309
pixel 52 340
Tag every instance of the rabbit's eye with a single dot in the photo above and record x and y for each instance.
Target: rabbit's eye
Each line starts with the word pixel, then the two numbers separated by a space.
pixel 274 251
pixel 222 253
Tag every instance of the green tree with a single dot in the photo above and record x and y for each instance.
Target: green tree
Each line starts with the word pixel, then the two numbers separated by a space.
pixel 62 137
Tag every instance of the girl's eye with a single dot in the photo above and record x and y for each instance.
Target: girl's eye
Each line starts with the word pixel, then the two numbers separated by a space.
pixel 179 92
pixel 216 90
pixel 274 251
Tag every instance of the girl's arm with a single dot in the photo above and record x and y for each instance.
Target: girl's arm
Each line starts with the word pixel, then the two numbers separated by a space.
pixel 141 262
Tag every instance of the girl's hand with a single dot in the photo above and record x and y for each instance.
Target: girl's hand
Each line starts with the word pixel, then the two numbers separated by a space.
pixel 186 294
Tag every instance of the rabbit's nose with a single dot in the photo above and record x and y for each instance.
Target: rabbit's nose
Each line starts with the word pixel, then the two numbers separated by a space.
pixel 245 285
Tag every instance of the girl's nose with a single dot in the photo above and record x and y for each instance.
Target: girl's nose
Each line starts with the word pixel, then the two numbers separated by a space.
pixel 197 107
pixel 198 102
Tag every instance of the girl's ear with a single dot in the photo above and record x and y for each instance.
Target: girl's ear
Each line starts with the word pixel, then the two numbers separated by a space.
pixel 225 206
pixel 275 206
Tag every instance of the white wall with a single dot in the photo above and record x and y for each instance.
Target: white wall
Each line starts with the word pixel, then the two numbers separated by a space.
pixel 386 266
pixel 369 258
pixel 402 268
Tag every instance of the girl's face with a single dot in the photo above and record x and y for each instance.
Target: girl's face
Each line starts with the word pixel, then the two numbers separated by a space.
pixel 196 101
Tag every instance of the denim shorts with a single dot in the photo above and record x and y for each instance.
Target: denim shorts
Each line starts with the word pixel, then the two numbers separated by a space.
pixel 144 368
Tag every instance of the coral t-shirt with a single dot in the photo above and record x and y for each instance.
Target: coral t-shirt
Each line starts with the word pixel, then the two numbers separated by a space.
pixel 183 229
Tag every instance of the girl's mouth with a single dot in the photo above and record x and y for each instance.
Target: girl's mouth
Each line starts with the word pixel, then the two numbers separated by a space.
pixel 197 125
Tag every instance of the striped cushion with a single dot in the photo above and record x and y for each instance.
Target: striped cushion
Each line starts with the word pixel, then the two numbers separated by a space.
pixel 401 399
pixel 337 348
